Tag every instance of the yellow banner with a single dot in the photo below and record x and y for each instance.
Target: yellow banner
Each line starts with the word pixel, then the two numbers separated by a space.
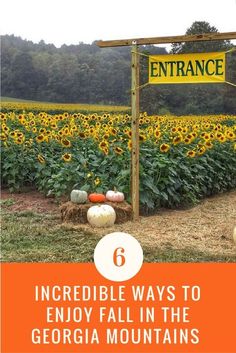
pixel 187 68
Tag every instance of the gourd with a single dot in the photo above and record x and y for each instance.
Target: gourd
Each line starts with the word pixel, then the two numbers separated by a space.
pixel 101 216
pixel 78 196
pixel 115 196
pixel 95 197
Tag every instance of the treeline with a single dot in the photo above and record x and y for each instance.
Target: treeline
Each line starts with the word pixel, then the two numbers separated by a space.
pixel 85 73
pixel 81 73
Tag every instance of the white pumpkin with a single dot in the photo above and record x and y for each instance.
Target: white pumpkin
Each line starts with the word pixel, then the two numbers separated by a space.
pixel 78 196
pixel 115 196
pixel 101 216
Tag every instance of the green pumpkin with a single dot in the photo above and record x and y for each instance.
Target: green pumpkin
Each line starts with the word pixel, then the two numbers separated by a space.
pixel 78 196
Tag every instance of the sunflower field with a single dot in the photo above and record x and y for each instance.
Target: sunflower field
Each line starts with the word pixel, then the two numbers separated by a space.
pixel 182 159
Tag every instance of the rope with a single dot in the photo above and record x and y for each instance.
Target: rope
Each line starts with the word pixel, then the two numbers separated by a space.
pixel 230 50
pixel 146 55
pixel 230 83
pixel 150 56
pixel 140 87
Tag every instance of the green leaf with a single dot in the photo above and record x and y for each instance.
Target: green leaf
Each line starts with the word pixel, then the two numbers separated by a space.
pixel 85 187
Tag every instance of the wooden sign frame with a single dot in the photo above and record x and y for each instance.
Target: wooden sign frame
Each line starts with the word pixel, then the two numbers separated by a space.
pixel 135 92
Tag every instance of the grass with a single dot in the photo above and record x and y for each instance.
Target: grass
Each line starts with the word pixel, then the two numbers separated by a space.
pixel 9 103
pixel 7 202
pixel 32 237
pixel 11 99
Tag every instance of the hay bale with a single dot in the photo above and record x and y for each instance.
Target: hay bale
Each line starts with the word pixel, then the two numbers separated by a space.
pixel 71 212
pixel 77 213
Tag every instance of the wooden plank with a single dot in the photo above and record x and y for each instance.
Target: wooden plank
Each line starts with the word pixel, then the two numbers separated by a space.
pixel 169 39
pixel 135 131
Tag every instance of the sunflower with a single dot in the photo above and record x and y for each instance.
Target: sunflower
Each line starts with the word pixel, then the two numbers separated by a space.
pixel 5 128
pixel 13 134
pixel 19 140
pixel 97 181
pixel 41 159
pixel 157 133
pixel 190 136
pixel 105 151
pixel 230 135
pixel 141 121
pixel 54 126
pixel 129 133
pixel 191 154
pixel 142 137
pixel 177 139
pixel 222 139
pixel 81 135
pixel 218 135
pixel 119 150
pixel 208 144
pixel 206 137
pixel 40 138
pixel 147 121
pixel 103 144
pixel 3 137
pixel 66 157
pixel 65 142
pixel 32 122
pixel 66 131
pixel 201 150
pixel 113 131
pixel 164 147
pixel 129 145
pixel 106 136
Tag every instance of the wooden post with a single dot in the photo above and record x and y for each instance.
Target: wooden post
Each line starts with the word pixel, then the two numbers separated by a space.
pixel 171 39
pixel 135 130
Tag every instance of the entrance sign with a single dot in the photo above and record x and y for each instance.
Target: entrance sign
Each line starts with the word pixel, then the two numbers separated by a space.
pixel 187 68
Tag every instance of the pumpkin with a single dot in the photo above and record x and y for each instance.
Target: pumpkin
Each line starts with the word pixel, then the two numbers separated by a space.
pixel 97 197
pixel 115 196
pixel 101 216
pixel 78 196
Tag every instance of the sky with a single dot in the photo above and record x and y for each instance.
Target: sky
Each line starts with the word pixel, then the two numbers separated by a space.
pixel 73 21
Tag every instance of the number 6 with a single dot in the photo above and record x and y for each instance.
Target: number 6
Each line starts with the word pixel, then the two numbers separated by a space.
pixel 118 258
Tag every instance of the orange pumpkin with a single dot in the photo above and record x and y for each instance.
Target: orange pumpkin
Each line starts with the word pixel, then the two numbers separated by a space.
pixel 97 197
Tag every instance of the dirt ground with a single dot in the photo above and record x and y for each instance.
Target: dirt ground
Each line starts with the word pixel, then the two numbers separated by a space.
pixel 205 227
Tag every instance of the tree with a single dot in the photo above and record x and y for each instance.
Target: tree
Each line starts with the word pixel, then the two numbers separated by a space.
pixel 24 76
pixel 200 27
